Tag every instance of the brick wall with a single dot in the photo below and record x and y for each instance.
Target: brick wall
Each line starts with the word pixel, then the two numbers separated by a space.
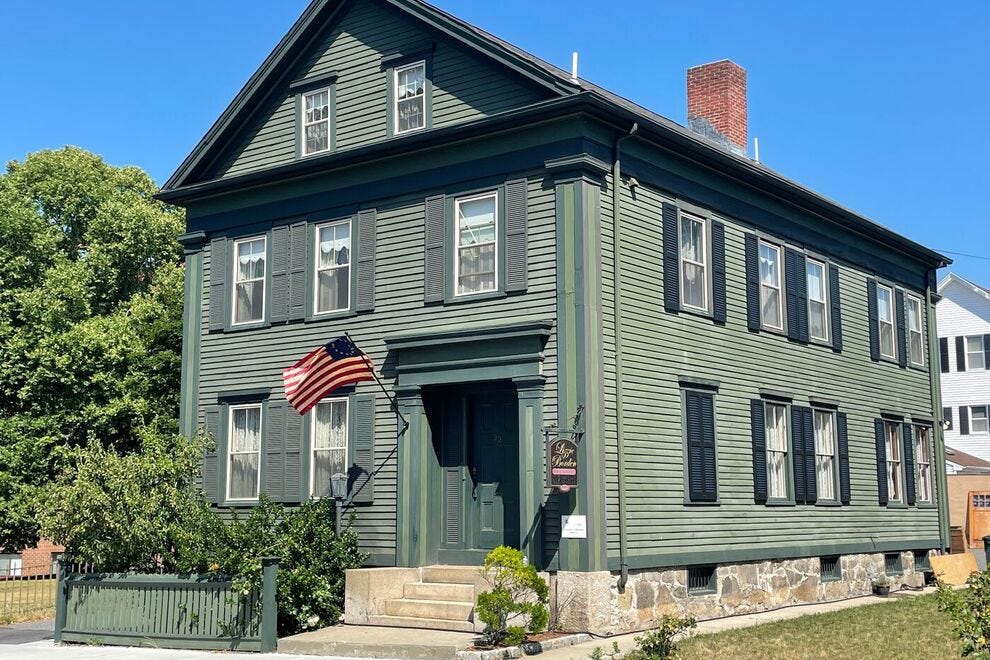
pixel 38 560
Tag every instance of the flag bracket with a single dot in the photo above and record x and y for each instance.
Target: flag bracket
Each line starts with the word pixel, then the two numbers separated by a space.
pixel 388 395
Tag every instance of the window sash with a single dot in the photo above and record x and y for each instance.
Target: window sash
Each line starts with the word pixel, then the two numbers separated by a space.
pixel 247 305
pixel 885 321
pixel 335 274
pixel 916 339
pixel 694 290
pixel 771 295
pixel 316 115
pixel 329 444
pixel 978 419
pixel 244 452
pixel 892 434
pixel 923 458
pixel 817 300
pixel 975 357
pixel 777 447
pixel 407 97
pixel 825 447
pixel 482 250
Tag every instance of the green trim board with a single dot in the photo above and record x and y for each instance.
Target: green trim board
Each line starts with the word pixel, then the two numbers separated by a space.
pixel 192 310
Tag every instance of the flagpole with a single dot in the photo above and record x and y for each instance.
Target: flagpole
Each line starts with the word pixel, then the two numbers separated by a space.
pixel 395 405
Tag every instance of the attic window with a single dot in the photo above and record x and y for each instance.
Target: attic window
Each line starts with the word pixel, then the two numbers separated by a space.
pixel 316 121
pixel 410 97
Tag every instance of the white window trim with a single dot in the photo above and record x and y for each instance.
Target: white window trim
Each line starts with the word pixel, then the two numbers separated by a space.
pixel 927 461
pixel 972 428
pixel 825 284
pixel 229 453
pixel 312 444
pixel 234 282
pixel 395 96
pixel 780 285
pixel 966 350
pixel 915 300
pixel 457 243
pixel 897 444
pixel 881 322
pixel 303 124
pixel 834 455
pixel 704 265
pixel 317 270
pixel 786 465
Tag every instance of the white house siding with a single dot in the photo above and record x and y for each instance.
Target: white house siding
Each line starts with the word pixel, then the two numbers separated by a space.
pixel 964 311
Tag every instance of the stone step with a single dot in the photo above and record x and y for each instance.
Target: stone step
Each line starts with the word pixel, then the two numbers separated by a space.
pixel 451 574
pixel 414 622
pixel 459 593
pixel 429 609
pixel 378 642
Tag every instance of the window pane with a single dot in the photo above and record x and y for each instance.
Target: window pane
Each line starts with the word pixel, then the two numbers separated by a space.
pixel 249 301
pixel 476 269
pixel 883 304
pixel 246 432
pixel 768 265
pixel 329 445
pixel 974 353
pixel 476 221
pixel 333 275
pixel 693 277
pixel 476 254
pixel 886 339
pixel 817 320
pixel 771 312
pixel 893 447
pixel 244 476
pixel 250 260
pixel 816 281
pixel 335 245
pixel 825 455
pixel 692 240
pixel 317 138
pixel 771 307
pixel 410 98
pixel 979 419
pixel 914 315
pixel 917 348
pixel 776 437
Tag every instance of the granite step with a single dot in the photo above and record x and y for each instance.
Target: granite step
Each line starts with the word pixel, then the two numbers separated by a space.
pixel 429 609
pixel 459 593
pixel 414 622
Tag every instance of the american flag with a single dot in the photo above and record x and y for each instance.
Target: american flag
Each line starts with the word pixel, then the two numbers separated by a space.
pixel 328 368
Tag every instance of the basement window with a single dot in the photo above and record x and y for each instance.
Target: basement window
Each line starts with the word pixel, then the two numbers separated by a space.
pixel 701 580
pixel 892 563
pixel 831 569
pixel 921 563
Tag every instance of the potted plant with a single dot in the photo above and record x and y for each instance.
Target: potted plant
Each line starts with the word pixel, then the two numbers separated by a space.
pixel 881 586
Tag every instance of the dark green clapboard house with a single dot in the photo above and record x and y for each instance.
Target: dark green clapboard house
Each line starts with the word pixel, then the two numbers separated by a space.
pixel 744 365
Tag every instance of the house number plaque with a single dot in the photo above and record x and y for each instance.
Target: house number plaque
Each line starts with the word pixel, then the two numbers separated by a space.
pixel 562 463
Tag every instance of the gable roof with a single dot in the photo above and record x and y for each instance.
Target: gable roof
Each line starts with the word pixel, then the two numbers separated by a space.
pixel 668 132
pixel 954 278
pixel 965 460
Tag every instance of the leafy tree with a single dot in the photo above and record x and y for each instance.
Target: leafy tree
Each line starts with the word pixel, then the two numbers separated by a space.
pixel 90 320
pixel 518 595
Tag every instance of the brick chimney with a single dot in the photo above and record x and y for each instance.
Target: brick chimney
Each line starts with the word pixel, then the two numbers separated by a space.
pixel 716 97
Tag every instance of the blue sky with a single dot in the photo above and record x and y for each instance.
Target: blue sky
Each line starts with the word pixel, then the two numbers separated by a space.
pixel 882 106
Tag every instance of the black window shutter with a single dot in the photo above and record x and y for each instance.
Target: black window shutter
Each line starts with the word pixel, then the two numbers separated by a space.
pixel 360 477
pixel 709 455
pixel 845 496
pixel 279 300
pixel 908 463
pixel 986 351
pixel 833 292
pixel 719 307
pixel 759 432
pixel 671 267
pixel 947 417
pixel 298 258
pixel 293 488
pixel 943 354
pixel 811 478
pixel 963 420
pixel 702 478
pixel 874 319
pixel 367 221
pixel 881 462
pixel 274 465
pixel 218 283
pixel 211 458
pixel 902 358
pixel 752 282
pixel 798 455
pixel 796 289
pixel 435 266
pixel 516 219
pixel 960 354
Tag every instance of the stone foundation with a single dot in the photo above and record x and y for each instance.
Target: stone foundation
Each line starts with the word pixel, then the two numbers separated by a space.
pixel 592 602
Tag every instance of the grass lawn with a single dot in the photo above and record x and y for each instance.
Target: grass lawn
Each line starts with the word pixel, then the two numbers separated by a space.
pixel 908 628
pixel 26 600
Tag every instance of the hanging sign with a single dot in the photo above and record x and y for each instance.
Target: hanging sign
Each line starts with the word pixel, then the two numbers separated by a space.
pixel 562 463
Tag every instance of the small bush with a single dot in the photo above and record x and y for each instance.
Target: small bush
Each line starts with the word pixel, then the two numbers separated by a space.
pixel 659 643
pixel 969 610
pixel 517 591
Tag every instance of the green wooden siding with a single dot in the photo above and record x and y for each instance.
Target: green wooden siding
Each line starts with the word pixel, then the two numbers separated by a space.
pixel 465 87
pixel 255 358
pixel 659 347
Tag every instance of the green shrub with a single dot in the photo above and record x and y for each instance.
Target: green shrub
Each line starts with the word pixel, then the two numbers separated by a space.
pixel 969 610
pixel 517 591
pixel 658 643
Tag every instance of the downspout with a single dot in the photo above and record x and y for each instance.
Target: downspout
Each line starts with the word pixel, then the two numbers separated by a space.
pixel 938 430
pixel 620 447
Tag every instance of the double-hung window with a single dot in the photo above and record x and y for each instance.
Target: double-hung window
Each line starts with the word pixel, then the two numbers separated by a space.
pixel 892 444
pixel 249 280
pixel 978 419
pixel 694 262
pixel 410 97
pixel 923 459
pixel 316 122
pixel 885 321
pixel 916 338
pixel 825 454
pixel 771 304
pixel 244 452
pixel 476 244
pixel 777 447
pixel 817 299
pixel 329 445
pixel 975 356
pixel 333 267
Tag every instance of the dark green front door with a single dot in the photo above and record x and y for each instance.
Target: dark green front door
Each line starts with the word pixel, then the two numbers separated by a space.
pixel 479 458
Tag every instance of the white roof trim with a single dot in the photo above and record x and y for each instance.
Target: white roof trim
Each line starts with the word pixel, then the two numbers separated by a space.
pixel 959 279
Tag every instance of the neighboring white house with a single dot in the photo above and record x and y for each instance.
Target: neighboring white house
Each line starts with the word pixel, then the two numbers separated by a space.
pixel 963 316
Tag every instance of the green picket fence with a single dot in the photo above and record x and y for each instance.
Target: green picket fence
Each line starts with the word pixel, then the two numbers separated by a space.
pixel 166 611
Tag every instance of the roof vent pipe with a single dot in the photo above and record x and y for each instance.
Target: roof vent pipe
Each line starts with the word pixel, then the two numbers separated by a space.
pixel 574 66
